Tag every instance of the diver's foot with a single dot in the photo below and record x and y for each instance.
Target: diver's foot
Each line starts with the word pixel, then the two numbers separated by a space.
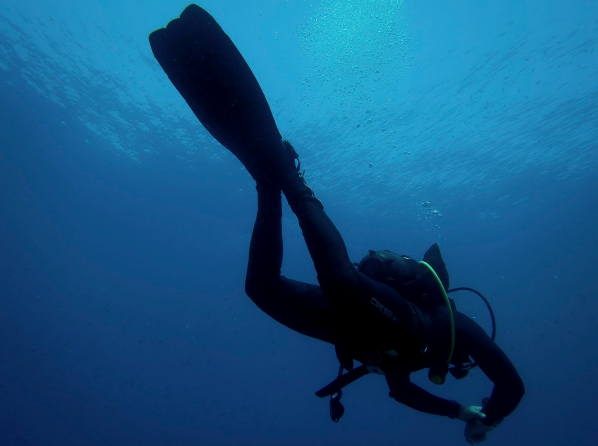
pixel 292 180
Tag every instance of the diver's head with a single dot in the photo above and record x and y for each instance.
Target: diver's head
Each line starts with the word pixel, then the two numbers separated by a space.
pixel 389 268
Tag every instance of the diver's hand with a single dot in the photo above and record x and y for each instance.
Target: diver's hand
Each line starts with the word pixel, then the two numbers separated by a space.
pixel 469 413
pixel 475 431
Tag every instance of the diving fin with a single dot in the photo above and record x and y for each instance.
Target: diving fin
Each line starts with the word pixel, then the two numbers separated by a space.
pixel 434 259
pixel 210 73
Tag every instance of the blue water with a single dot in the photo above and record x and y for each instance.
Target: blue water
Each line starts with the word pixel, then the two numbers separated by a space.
pixel 124 228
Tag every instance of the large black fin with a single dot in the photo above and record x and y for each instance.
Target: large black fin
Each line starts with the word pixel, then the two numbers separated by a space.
pixel 434 259
pixel 210 73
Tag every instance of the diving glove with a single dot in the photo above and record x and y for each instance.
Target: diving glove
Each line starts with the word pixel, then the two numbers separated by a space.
pixel 469 413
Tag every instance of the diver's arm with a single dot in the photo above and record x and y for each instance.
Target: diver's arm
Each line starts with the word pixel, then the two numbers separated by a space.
pixel 508 385
pixel 407 393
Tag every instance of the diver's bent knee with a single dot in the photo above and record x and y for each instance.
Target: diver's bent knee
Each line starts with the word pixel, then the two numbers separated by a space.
pixel 264 296
pixel 258 287
pixel 252 289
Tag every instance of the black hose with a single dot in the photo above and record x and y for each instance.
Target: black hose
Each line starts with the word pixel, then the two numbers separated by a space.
pixel 493 336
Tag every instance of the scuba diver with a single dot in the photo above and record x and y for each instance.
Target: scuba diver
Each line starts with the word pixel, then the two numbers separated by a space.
pixel 389 312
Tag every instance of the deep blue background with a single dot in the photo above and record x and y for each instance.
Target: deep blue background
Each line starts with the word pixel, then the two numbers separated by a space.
pixel 122 313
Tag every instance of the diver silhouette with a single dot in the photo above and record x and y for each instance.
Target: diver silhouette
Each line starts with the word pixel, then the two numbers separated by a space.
pixel 390 312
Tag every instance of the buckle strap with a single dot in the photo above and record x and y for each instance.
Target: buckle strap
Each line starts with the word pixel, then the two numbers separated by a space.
pixel 342 381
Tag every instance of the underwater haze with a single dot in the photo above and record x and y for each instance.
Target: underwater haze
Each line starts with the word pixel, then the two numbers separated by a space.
pixel 125 227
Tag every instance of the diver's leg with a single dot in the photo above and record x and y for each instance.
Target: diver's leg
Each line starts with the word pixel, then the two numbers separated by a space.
pixel 297 305
pixel 350 292
pixel 209 72
pixel 265 249
pixel 324 242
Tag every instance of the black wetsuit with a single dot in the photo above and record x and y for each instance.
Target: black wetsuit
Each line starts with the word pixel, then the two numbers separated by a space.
pixel 360 316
